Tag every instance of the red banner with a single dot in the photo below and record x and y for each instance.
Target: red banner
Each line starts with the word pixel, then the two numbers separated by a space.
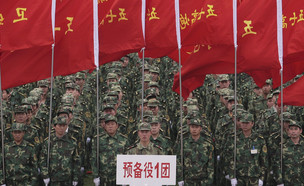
pixel 25 24
pixel 120 29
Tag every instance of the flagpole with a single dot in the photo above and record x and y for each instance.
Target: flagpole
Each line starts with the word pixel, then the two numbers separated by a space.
pixel 52 74
pixel 142 84
pixel 97 115
pixel 2 127
pixel 280 52
pixel 51 105
pixel 181 109
pixel 234 3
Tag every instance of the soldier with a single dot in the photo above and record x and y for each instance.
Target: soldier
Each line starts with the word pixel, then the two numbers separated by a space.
pixel 159 139
pixel 198 168
pixel 293 158
pixel 144 146
pixel 251 158
pixel 64 163
pixel 21 166
pixel 111 143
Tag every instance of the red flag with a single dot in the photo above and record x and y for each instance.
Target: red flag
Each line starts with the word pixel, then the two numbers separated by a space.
pixel 161 37
pixel 25 24
pixel 293 44
pixel 206 22
pixel 293 94
pixel 74 48
pixel 120 29
pixel 257 51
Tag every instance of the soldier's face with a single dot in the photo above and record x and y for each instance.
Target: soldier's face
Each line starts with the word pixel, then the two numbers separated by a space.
pixel 294 132
pixel 79 82
pixel 69 90
pixel 155 127
pixel 224 84
pixel 44 89
pixel 60 129
pixel 4 95
pixel 195 130
pixel 246 126
pixel 111 127
pixel 144 135
pixel 21 117
pixel 18 135
pixel 270 103
pixel 154 109
pixel 266 88
pixel 154 76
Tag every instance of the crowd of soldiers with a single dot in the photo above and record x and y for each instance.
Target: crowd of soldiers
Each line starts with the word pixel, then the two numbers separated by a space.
pixel 217 149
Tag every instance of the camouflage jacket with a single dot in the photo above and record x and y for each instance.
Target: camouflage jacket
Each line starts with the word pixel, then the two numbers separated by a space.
pixel 198 161
pixel 139 149
pixel 251 157
pixel 21 162
pixel 109 147
pixel 64 159
pixel 164 142
pixel 293 163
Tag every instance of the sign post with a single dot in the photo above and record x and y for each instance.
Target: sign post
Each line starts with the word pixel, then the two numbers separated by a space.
pixel 147 170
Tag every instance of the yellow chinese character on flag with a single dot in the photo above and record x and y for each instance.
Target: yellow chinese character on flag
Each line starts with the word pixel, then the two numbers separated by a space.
pixel 111 16
pixel 294 18
pixel 184 21
pixel 122 15
pixel 197 16
pixel 152 15
pixel 69 25
pixel 300 16
pixel 248 28
pixel 210 11
pixel 20 13
pixel 284 24
pixel 1 19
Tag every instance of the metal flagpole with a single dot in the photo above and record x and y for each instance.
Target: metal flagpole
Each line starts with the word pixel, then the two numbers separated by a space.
pixel 2 127
pixel 52 74
pixel 142 84
pixel 235 79
pixel 51 105
pixel 181 109
pixel 97 115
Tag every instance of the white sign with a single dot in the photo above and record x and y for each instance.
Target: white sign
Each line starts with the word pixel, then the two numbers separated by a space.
pixel 146 170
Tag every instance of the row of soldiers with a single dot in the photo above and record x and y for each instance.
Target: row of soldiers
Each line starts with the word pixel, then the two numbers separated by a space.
pixel 122 85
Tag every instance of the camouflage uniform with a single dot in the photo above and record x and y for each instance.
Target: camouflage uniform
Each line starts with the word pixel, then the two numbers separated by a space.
pixel 21 166
pixel 65 162
pixel 198 160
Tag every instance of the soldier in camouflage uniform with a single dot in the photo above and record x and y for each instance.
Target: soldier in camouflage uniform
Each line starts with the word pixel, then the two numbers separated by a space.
pixel 144 146
pixel 64 166
pixel 111 143
pixel 198 168
pixel 21 166
pixel 251 158
pixel 158 138
pixel 291 174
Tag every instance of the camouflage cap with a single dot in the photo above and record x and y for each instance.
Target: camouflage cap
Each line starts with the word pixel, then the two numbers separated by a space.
pixel 18 127
pixel 246 117
pixel 112 93
pixel 225 92
pixel 139 101
pixel 111 100
pixel 110 117
pixel 153 84
pixel 154 69
pixel 295 123
pixel 80 75
pixel 192 108
pixel 153 103
pixel 276 92
pixel 230 98
pixel 238 106
pixel 192 101
pixel 101 116
pixel 287 116
pixel 43 83
pixel 116 64
pixel 36 92
pixel 239 113
pixel 112 76
pixel 69 79
pixel 70 85
pixel 154 119
pixel 60 120
pixel 27 107
pixel 144 126
pixel 146 66
pixel 116 88
pixel 147 113
pixel 148 78
pixel 268 81
pixel 20 109
pixel 26 101
pixel 67 98
pixel 269 96
pixel 108 106
pixel 193 114
pixel 195 121
pixel 223 77
pixel 151 92
pixel 65 110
